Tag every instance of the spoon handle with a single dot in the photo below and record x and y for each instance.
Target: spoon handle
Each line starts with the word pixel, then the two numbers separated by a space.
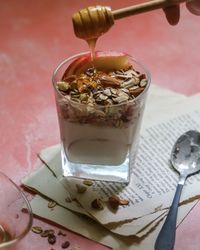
pixel 166 237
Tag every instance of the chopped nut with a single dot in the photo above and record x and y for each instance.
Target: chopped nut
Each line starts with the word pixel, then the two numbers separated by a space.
pixel 143 82
pixel 107 92
pixel 136 91
pixel 97 204
pixel 80 188
pixel 37 230
pixel 115 201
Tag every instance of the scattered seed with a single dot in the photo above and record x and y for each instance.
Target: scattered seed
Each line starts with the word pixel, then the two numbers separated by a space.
pixel 52 204
pixel 80 188
pixel 65 244
pixel 61 233
pixel 37 230
pixel 68 199
pixel 52 239
pixel 88 182
pixel 97 204
pixel 46 233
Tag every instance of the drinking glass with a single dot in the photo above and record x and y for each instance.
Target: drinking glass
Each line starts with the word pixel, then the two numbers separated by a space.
pixel 99 142
pixel 15 223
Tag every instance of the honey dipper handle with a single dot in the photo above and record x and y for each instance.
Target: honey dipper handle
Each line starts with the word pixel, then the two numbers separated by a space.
pixel 143 7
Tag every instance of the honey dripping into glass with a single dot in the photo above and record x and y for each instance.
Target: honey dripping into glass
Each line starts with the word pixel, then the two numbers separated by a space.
pixel 90 23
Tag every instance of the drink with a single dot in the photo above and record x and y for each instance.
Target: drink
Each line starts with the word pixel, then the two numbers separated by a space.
pixel 100 105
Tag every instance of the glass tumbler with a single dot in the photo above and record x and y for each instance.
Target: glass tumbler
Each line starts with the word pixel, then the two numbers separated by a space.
pixel 99 142
pixel 14 222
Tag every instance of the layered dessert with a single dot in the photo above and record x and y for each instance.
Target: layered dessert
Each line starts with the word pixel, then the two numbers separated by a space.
pixel 100 105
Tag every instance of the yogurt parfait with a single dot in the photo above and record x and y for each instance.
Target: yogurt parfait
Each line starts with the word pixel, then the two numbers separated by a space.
pixel 100 103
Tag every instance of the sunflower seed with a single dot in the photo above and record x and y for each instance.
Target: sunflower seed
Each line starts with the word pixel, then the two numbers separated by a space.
pixel 37 230
pixel 52 204
pixel 46 233
pixel 88 182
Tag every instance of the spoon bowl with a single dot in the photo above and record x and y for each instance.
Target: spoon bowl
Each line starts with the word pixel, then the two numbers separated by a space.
pixel 185 158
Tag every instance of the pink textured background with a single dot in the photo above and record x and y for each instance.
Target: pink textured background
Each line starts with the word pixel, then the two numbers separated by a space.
pixel 35 36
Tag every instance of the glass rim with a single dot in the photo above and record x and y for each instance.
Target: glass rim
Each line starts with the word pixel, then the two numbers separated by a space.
pixel 147 73
pixel 30 214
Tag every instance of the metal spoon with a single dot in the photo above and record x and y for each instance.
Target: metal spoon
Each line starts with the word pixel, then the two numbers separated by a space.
pixel 185 158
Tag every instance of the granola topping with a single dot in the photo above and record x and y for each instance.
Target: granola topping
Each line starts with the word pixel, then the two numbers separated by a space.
pixel 100 98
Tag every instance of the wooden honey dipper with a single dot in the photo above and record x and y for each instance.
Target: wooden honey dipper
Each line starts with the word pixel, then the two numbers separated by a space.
pixel 91 22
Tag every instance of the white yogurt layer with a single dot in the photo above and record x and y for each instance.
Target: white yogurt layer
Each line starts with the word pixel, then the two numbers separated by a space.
pixel 91 144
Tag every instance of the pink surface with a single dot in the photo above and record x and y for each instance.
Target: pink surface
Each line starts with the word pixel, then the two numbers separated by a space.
pixel 36 36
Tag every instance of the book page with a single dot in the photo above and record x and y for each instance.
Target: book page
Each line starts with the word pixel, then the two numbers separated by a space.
pixel 52 189
pixel 153 181
pixel 96 232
